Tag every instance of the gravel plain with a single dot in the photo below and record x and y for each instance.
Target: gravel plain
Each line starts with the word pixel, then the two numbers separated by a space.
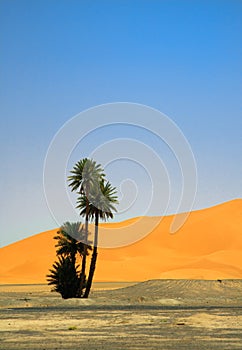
pixel 156 314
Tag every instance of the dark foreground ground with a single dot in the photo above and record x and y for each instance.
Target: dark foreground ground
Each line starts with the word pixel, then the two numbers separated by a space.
pixel 159 314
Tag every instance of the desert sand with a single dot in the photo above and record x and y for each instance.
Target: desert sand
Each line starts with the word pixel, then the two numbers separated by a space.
pixel 191 297
pixel 156 314
pixel 208 246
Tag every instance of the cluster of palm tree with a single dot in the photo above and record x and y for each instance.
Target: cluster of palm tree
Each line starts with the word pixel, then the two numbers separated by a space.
pixel 96 200
pixel 65 275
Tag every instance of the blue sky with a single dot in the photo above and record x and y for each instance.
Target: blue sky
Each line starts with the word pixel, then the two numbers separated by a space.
pixel 59 58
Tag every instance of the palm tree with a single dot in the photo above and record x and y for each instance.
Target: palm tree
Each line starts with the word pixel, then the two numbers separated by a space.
pixel 64 273
pixel 85 174
pixel 70 238
pixel 100 205
pixel 64 276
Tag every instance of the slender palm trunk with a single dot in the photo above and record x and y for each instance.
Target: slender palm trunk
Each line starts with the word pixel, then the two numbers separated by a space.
pixel 84 257
pixel 94 258
pixel 73 258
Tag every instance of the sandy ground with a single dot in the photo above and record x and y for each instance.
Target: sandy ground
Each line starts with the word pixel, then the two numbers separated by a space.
pixel 157 314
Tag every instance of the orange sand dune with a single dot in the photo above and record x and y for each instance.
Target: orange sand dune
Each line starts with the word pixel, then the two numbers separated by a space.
pixel 208 246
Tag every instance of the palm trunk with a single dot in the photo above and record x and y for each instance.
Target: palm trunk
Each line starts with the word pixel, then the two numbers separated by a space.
pixel 94 258
pixel 73 258
pixel 84 258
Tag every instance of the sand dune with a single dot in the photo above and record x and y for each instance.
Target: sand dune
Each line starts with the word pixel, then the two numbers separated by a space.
pixel 208 246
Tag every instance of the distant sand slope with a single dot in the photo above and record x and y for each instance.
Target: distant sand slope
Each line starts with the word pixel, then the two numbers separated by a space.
pixel 192 290
pixel 208 246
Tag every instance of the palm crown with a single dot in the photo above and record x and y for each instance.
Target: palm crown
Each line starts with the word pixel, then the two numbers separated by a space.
pixel 85 174
pixel 102 198
pixel 70 238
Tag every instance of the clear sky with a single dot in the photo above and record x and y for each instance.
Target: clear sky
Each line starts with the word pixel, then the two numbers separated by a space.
pixel 59 58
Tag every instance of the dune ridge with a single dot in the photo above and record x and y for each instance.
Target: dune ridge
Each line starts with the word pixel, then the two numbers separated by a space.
pixel 208 246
